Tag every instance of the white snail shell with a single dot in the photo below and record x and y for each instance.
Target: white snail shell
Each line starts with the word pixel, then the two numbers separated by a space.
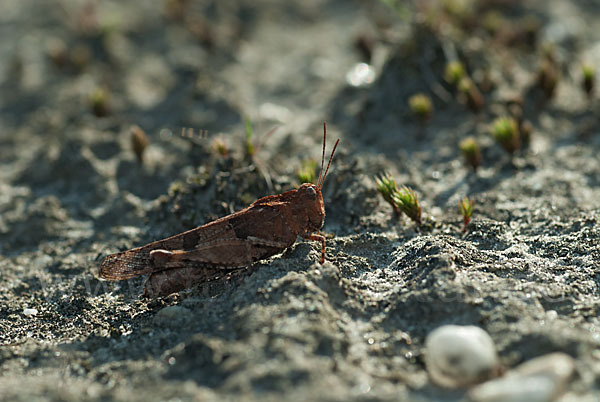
pixel 459 356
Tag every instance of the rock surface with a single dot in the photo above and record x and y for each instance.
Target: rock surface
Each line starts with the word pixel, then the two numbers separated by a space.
pixel 542 379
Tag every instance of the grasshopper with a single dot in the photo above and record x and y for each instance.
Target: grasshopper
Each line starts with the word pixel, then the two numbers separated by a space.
pixel 221 247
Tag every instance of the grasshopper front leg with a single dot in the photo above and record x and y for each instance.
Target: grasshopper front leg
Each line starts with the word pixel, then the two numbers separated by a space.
pixel 318 237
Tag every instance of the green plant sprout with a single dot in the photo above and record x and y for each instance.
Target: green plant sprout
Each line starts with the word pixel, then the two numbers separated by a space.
pixel 506 132
pixel 387 187
pixel 454 72
pixel 493 21
pixel 254 146
pixel 547 78
pixel 465 208
pixel 250 149
pixel 459 9
pixel 421 107
pixel 307 173
pixel 589 78
pixel 407 201
pixel 471 152
pixel 98 100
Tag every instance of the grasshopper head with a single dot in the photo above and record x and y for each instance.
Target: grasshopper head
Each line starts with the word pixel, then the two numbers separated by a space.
pixel 312 202
pixel 310 198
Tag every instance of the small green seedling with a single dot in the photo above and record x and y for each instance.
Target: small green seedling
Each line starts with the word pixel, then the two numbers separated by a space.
pixel 98 100
pixel 506 132
pixel 307 173
pixel 474 98
pixel 454 72
pixel 471 152
pixel 250 149
pixel 139 142
pixel 589 79
pixel 407 201
pixel 465 208
pixel 421 107
pixel 252 146
pixel 493 21
pixel 387 187
pixel 459 9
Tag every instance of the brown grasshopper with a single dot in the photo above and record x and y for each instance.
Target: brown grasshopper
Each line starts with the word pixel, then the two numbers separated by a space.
pixel 265 228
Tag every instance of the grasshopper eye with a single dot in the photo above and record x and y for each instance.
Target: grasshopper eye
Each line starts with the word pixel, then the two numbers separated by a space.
pixel 311 192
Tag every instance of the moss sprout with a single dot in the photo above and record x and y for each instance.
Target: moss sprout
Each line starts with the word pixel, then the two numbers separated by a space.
pixel 139 142
pixel 250 149
pixel 589 78
pixel 98 100
pixel 471 152
pixel 403 199
pixel 421 107
pixel 387 187
pixel 493 21
pixel 465 208
pixel 506 132
pixel 406 200
pixel 455 71
pixel 460 9
pixel 547 78
pixel 307 173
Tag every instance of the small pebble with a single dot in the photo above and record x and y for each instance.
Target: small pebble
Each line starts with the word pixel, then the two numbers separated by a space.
pixel 30 312
pixel 360 75
pixel 459 356
pixel 542 379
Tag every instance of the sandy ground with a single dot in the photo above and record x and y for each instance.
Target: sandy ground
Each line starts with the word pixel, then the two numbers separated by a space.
pixel 72 192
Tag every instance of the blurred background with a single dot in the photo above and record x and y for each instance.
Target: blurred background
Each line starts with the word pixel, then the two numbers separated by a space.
pixel 123 122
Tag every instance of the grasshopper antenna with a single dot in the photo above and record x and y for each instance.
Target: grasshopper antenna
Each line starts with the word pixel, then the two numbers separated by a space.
pixel 322 157
pixel 322 179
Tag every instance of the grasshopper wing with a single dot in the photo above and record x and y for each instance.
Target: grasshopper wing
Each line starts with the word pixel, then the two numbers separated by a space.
pixel 233 241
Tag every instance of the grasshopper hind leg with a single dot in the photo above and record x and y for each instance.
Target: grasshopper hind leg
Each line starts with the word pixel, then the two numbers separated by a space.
pixel 163 283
